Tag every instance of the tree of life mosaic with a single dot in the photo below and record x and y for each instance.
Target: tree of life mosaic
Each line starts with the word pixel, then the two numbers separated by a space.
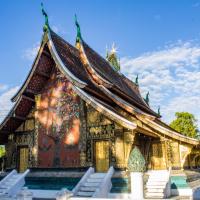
pixel 58 116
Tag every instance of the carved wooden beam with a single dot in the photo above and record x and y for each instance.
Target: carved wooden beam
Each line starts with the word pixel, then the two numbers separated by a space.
pixel 46 53
pixel 99 95
pixel 42 74
pixel 3 132
pixel 19 117
pixel 24 132
pixel 31 92
pixel 28 98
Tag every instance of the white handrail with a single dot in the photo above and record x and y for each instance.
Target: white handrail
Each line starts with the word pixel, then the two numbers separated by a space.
pixel 8 176
pixel 106 185
pixel 18 184
pixel 83 179
pixel 168 186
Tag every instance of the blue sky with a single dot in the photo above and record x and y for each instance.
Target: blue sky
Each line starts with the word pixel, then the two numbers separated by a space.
pixel 159 40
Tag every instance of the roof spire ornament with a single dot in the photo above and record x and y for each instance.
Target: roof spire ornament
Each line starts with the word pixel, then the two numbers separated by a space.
pixel 111 57
pixel 136 80
pixel 147 98
pixel 46 26
pixel 78 36
pixel 107 54
pixel 114 49
pixel 158 110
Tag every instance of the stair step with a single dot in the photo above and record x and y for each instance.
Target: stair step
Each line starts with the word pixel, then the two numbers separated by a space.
pixel 159 178
pixel 154 197
pixel 155 190
pixel 155 194
pixel 156 183
pixel 85 194
pixel 94 180
pixel 155 186
pixel 88 184
pixel 88 189
pixel 98 175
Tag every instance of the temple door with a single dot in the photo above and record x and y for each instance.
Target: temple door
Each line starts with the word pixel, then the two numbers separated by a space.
pixel 102 156
pixel 23 159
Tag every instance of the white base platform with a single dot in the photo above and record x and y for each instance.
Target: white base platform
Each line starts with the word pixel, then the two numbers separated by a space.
pixel 182 192
pixel 44 193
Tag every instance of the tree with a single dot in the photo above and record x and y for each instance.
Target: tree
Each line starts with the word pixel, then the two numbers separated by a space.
pixel 186 124
pixel 2 151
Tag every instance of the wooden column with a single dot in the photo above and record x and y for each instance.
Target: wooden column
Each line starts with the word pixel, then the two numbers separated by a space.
pixel 175 155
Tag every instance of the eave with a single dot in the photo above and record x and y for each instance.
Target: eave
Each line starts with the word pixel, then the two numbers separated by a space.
pixel 168 132
pixel 73 79
pixel 105 111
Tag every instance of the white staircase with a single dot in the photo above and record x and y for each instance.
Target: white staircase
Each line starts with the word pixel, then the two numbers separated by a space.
pixel 88 188
pixel 158 185
pixel 94 184
pixel 12 183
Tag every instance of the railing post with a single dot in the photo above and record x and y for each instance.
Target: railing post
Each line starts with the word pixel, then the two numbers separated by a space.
pixel 64 194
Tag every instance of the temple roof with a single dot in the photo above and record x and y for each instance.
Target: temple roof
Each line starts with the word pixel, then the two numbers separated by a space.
pixel 92 78
pixel 70 58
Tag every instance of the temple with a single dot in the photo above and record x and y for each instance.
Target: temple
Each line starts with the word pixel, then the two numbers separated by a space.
pixel 76 110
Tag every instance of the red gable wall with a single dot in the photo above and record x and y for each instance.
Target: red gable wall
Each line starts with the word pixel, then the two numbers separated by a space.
pixel 58 124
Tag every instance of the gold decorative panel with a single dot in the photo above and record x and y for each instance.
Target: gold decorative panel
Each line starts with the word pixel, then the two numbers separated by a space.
pixel 29 125
pixel 23 159
pixel 119 152
pixel 158 160
pixel 175 155
pixel 102 156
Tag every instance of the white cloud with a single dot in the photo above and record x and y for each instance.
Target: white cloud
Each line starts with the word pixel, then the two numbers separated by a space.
pixel 3 87
pixel 180 104
pixel 31 53
pixel 5 103
pixel 172 75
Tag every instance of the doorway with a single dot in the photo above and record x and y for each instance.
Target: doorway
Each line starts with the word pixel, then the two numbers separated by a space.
pixel 102 156
pixel 22 159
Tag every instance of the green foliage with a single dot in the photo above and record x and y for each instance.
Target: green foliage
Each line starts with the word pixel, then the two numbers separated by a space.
pixel 186 124
pixel 2 151
pixel 136 161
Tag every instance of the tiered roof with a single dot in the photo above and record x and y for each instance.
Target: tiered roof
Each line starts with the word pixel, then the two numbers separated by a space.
pixel 94 80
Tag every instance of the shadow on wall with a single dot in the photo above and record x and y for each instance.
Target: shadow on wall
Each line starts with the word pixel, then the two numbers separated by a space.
pixel 192 160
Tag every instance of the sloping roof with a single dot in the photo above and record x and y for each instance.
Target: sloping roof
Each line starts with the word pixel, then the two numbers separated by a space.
pixel 121 85
pixel 70 57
